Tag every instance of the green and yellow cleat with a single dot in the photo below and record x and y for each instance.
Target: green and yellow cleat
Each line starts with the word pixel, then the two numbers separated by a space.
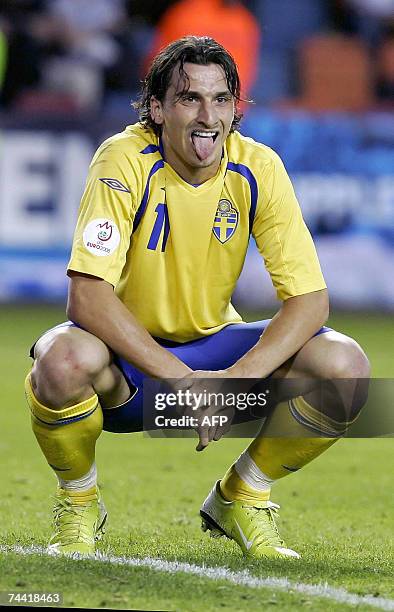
pixel 253 526
pixel 79 520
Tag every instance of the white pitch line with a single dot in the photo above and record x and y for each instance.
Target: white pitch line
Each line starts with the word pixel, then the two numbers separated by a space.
pixel 243 578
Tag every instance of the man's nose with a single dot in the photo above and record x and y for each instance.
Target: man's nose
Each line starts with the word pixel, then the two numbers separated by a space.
pixel 207 114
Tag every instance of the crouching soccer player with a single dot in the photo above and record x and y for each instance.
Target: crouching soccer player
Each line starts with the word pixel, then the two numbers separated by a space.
pixel 162 233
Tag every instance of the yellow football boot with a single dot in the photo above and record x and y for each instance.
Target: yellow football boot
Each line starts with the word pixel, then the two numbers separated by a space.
pixel 79 520
pixel 252 525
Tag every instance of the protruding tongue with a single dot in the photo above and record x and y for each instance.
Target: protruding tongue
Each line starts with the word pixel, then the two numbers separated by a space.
pixel 203 145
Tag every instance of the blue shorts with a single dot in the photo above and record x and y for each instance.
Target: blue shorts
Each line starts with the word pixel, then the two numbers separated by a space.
pixel 215 352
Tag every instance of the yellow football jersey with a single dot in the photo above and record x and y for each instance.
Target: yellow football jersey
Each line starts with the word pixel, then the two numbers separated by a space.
pixel 174 251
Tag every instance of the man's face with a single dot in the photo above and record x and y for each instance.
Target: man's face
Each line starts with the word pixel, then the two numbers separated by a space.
pixel 195 123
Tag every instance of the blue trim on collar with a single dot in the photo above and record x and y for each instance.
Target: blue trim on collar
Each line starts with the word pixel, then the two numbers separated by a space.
pixel 254 191
pixel 152 148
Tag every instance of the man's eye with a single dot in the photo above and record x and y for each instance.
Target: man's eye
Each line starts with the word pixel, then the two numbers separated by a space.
pixel 222 99
pixel 189 98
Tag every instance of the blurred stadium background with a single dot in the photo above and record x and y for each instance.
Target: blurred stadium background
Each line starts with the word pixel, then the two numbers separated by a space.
pixel 321 73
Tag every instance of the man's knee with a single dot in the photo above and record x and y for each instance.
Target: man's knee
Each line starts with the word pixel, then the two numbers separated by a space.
pixel 65 365
pixel 349 370
pixel 344 358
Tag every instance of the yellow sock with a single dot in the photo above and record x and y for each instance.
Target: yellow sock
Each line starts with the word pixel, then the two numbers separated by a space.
pixel 233 486
pixel 286 443
pixel 81 497
pixel 67 437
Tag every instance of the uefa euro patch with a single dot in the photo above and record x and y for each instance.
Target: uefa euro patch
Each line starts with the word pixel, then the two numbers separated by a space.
pixel 114 184
pixel 101 237
pixel 226 221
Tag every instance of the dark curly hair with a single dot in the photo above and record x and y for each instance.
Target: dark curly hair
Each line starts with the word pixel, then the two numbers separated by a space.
pixel 200 50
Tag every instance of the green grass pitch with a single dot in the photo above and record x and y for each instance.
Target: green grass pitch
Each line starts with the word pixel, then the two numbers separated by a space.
pixel 337 512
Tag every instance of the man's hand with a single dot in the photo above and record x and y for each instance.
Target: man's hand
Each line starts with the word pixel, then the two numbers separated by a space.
pixel 202 384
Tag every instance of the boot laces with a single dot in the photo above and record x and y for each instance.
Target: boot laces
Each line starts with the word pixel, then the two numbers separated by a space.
pixel 264 529
pixel 71 521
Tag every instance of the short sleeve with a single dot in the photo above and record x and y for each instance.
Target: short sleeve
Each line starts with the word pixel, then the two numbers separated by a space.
pixel 105 219
pixel 282 236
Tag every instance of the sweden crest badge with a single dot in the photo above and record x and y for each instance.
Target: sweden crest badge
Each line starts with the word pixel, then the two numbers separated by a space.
pixel 226 221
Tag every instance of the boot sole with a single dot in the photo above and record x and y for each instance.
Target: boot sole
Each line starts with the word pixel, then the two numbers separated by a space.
pixel 208 524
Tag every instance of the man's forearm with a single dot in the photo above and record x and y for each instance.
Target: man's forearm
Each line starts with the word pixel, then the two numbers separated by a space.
pixel 93 305
pixel 296 322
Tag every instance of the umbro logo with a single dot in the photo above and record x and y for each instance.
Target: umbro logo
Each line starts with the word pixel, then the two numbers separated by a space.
pixel 114 184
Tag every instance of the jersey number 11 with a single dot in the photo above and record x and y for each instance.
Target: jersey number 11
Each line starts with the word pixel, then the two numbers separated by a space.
pixel 162 222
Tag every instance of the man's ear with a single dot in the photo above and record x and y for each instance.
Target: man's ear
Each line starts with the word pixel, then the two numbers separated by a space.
pixel 156 110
